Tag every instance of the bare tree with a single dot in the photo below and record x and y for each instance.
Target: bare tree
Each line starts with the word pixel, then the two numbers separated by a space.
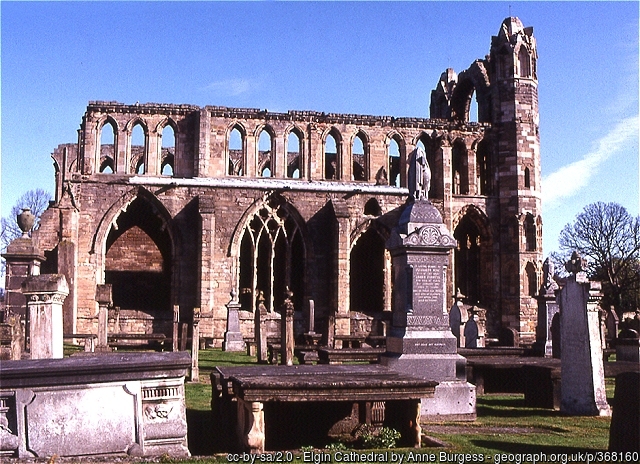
pixel 609 237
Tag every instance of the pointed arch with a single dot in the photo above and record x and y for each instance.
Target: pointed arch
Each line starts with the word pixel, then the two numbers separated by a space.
pixel 270 248
pixel 235 149
pixel 332 156
pixel 106 152
pixel 294 138
pixel 360 154
pixel 395 160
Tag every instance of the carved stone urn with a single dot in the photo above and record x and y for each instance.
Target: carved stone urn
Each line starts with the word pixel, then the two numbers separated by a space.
pixel 26 220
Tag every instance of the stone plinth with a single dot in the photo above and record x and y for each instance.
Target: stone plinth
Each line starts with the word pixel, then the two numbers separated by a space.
pixel 583 390
pixel 45 296
pixel 419 340
pixel 233 340
pixel 112 404
pixel 23 260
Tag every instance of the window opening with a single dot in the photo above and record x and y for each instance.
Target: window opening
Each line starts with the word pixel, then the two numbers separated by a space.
pixel 530 233
pixel 394 162
pixel 236 153
pixel 359 157
pixel 330 158
pixel 527 178
pixel 293 156
pixel 167 151
pixel 107 149
pixel 264 153
pixel 138 147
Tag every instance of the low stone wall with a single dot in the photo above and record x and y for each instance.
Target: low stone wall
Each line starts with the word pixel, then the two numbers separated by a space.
pixel 109 404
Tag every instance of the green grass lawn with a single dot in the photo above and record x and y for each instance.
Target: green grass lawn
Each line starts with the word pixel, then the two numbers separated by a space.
pixel 504 424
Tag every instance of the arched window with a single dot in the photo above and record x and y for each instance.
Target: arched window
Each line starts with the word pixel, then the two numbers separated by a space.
pixel 167 151
pixel 293 155
pixel 265 150
pixel 394 161
pixel 530 233
pixel 473 107
pixel 524 62
pixel 527 178
pixel 331 157
pixel 483 168
pixel 531 285
pixel 460 168
pixel 271 258
pixel 358 151
pixel 372 207
pixel 107 148
pixel 138 147
pixel 236 152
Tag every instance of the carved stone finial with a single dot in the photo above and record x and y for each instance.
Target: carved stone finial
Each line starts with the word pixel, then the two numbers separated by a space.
pixel 234 296
pixel 576 264
pixel 549 284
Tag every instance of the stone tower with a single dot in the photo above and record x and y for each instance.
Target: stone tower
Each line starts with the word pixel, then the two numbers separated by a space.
pixel 515 120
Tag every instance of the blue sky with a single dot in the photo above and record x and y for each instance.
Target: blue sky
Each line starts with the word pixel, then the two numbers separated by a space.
pixel 380 58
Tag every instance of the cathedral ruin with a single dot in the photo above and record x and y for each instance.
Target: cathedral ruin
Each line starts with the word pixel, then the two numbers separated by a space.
pixel 249 202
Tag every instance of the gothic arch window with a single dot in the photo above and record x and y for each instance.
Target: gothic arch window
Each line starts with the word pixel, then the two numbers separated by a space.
pixel 167 150
pixel 393 157
pixel 483 170
pixel 360 154
pixel 272 256
pixel 367 273
pixel 138 146
pixel 460 168
pixel 265 153
pixel 467 259
pixel 531 285
pixel 527 178
pixel 107 148
pixel 530 233
pixel 332 155
pixel 294 142
pixel 524 62
pixel 235 145
pixel 372 208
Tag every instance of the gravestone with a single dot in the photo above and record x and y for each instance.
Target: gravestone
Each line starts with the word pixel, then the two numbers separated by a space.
pixel 583 391
pixel 624 432
pixel 233 340
pixel 471 333
pixel 104 298
pixel 612 323
pixel 457 318
pixel 286 331
pixel 419 340
pixel 547 309
pixel 628 346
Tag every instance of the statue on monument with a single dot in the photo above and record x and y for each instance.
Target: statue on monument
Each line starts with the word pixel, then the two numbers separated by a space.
pixel 419 175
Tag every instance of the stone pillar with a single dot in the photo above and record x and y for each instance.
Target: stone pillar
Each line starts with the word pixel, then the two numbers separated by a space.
pixel 22 260
pixel 547 309
pixel 45 296
pixel 342 321
pixel 105 300
pixel 195 346
pixel 583 390
pixel 261 329
pixel 176 327
pixel 419 341
pixel 287 342
pixel 233 340
pixel 207 263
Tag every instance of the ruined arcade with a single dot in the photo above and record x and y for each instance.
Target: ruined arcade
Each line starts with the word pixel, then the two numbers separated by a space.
pixel 249 202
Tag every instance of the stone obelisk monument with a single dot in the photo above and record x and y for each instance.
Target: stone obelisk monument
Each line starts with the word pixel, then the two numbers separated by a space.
pixel 419 341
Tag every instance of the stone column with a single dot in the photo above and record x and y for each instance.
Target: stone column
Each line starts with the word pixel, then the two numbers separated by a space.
pixel 105 300
pixel 260 329
pixel 287 342
pixel 22 260
pixel 233 340
pixel 176 327
pixel 342 321
pixel 195 346
pixel 583 390
pixel 45 296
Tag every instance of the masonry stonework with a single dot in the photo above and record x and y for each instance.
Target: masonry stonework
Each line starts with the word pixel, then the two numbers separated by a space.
pixel 249 201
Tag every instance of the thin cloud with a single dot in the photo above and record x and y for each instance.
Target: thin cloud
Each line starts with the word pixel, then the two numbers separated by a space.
pixel 232 87
pixel 570 179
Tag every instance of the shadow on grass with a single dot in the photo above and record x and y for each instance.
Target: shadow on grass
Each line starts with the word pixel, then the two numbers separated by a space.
pixel 526 448
pixel 484 410
pixel 200 434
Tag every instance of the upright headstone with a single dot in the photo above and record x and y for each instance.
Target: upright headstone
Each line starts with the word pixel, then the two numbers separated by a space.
pixel 286 330
pixel 176 327
pixel 105 300
pixel 457 318
pixel 612 323
pixel 547 309
pixel 233 339
pixel 582 371
pixel 419 340
pixel 471 333
pixel 624 432
pixel 260 329
pixel 45 296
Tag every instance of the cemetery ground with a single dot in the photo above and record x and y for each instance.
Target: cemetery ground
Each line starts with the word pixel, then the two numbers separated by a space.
pixel 504 426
